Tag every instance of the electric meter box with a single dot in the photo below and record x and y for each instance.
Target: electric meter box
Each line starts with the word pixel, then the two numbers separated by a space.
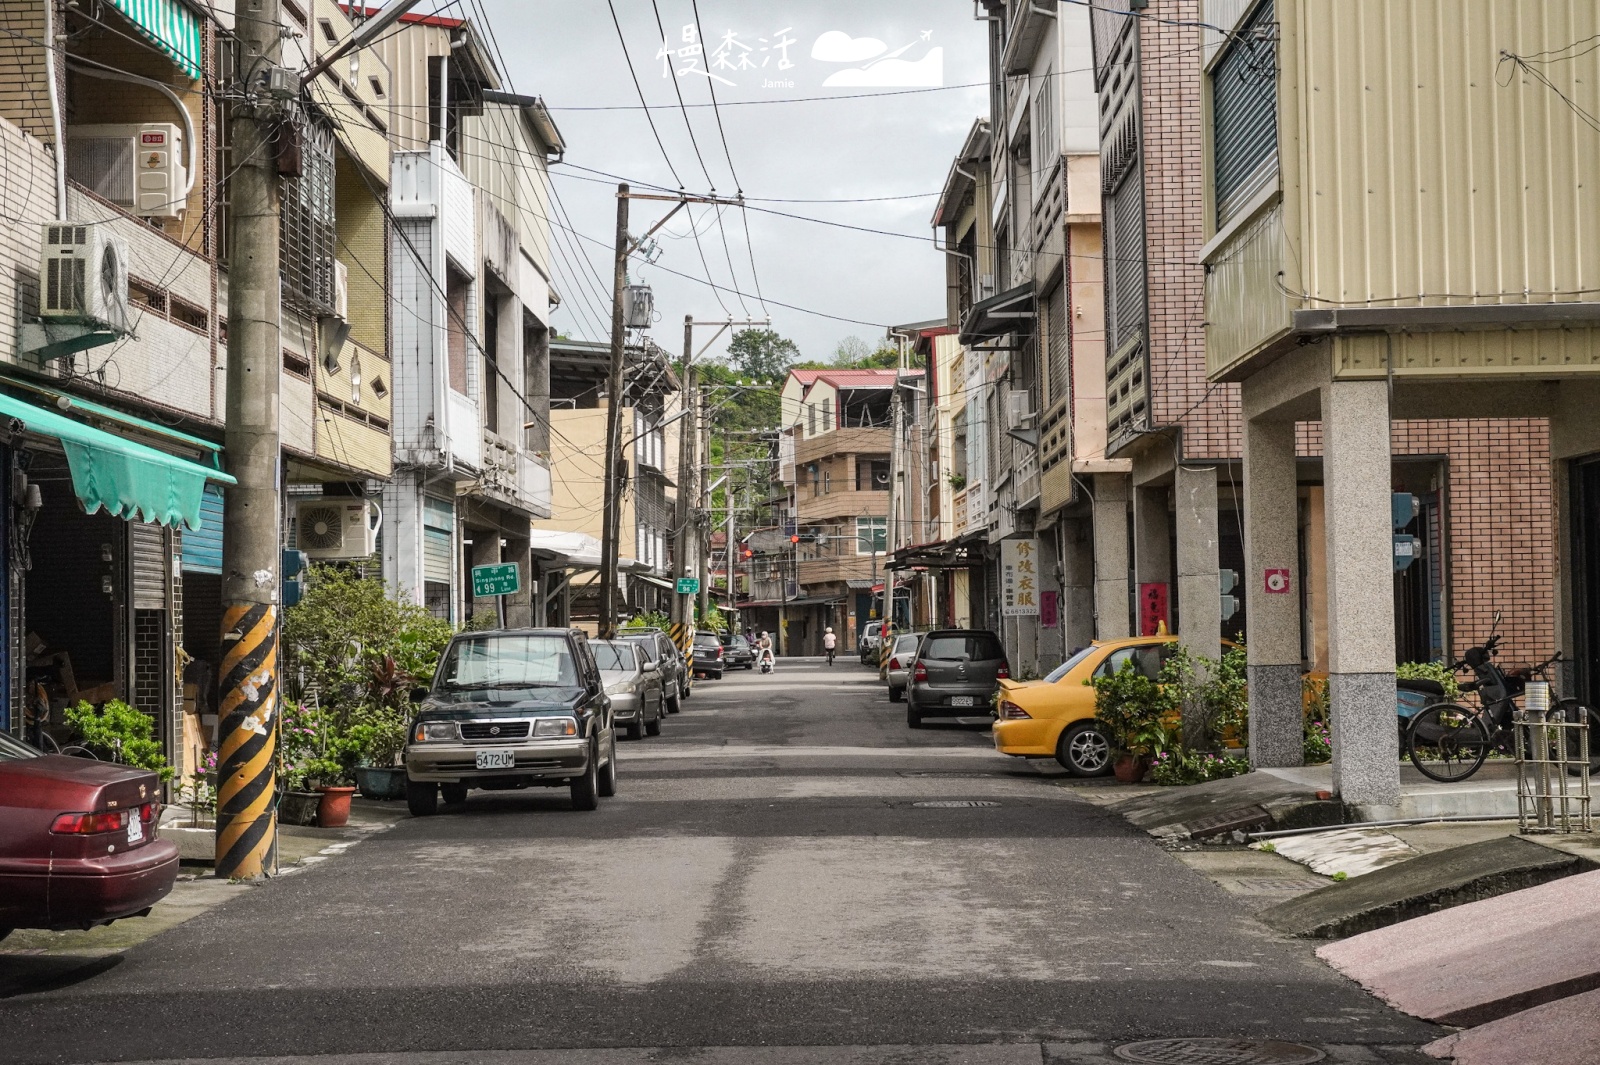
pixel 136 166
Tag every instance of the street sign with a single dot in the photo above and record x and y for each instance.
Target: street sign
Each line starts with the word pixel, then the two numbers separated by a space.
pixel 501 578
pixel 1019 578
pixel 688 585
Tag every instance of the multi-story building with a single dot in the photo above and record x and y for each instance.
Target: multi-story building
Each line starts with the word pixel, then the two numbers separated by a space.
pixel 113 142
pixel 470 196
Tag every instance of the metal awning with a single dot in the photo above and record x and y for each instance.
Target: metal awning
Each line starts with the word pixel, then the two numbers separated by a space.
pixel 1012 311
pixel 128 479
pixel 170 26
pixel 572 550
pixel 659 582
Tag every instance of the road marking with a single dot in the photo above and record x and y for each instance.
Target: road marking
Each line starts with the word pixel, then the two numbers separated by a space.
pixel 703 751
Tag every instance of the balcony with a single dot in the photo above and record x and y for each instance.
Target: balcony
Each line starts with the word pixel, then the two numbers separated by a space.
pixel 1025 481
pixel 533 477
pixel 842 442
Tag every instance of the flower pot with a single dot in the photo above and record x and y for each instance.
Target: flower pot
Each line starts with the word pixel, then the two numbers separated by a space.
pixel 334 809
pixel 381 782
pixel 1131 768
pixel 299 807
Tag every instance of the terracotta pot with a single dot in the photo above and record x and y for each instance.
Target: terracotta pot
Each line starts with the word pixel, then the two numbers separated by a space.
pixel 334 809
pixel 1131 768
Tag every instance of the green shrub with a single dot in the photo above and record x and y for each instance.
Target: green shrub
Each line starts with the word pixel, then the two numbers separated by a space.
pixel 1180 765
pixel 1434 671
pixel 119 733
pixel 649 619
pixel 1130 708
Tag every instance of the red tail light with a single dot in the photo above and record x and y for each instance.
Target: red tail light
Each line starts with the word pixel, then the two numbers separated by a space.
pixel 1010 711
pixel 1004 672
pixel 87 824
pixel 920 673
pixel 894 663
pixel 147 813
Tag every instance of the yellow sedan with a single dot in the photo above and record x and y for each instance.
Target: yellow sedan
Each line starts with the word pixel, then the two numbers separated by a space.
pixel 1054 717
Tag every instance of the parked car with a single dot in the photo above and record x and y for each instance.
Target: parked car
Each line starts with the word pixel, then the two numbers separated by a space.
pixel 901 656
pixel 955 671
pixel 634 684
pixel 78 841
pixel 659 648
pixel 1054 717
pixel 737 653
pixel 867 646
pixel 512 709
pixel 708 654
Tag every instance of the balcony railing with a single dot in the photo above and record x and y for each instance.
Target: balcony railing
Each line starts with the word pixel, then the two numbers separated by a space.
pixel 1025 482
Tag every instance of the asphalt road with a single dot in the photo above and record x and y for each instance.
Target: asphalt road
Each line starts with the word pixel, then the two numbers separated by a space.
pixel 765 888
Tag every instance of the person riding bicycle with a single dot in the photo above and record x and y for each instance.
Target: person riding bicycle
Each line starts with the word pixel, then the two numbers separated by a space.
pixel 764 656
pixel 829 642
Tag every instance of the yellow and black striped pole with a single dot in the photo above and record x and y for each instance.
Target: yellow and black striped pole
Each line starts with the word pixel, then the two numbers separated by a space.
pixel 885 648
pixel 247 751
pixel 682 634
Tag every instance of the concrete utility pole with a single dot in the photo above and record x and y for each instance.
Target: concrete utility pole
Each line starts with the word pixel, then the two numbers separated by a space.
pixel 703 518
pixel 251 551
pixel 613 495
pixel 682 621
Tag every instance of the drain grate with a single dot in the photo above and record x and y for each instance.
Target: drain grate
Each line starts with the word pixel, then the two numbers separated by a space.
pixel 954 804
pixel 1218 1052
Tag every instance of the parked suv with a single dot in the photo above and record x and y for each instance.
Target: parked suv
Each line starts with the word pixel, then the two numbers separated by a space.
pixel 737 653
pixel 708 654
pixel 659 648
pixel 867 647
pixel 512 708
pixel 955 671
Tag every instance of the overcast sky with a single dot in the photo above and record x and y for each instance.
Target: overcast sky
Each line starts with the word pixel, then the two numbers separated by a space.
pixel 568 53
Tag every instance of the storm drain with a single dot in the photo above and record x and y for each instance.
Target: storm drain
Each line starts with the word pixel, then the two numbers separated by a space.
pixel 953 804
pixel 1218 1052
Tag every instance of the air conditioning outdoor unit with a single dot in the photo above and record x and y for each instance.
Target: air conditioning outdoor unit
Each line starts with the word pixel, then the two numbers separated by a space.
pixel 1019 409
pixel 136 166
pixel 83 276
pixel 337 528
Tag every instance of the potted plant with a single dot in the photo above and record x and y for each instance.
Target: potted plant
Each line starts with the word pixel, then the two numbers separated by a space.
pixel 377 737
pixel 328 776
pixel 1132 710
pixel 301 741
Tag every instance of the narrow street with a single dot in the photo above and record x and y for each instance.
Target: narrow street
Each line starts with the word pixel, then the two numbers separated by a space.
pixel 771 874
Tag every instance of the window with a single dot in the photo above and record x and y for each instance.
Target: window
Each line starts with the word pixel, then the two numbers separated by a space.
pixel 811 419
pixel 1147 660
pixel 328 34
pixel 1046 148
pixel 307 225
pixel 872 536
pixel 872 475
pixel 1244 118
pixel 491 376
pixel 974 646
pixel 827 415
pixel 377 86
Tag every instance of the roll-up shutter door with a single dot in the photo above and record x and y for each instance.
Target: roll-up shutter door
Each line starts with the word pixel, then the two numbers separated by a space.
pixel 438 521
pixel 1244 118
pixel 1127 254
pixel 1059 354
pixel 148 556
pixel 202 547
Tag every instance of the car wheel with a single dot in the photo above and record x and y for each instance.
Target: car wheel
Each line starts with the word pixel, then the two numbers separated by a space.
pixel 636 729
pixel 586 789
pixel 653 727
pixel 1084 751
pixel 453 794
pixel 422 798
pixel 608 775
pixel 674 703
pixel 896 694
pixel 913 715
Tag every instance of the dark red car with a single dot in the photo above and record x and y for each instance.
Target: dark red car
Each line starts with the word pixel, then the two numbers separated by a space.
pixel 78 842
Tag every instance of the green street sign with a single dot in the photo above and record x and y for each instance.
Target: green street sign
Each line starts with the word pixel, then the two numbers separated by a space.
pixel 502 578
pixel 688 585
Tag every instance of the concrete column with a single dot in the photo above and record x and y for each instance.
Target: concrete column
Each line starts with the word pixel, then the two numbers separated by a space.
pixel 1111 556
pixel 402 537
pixel 1152 549
pixel 1077 591
pixel 484 551
pixel 519 607
pixel 1360 552
pixel 1271 544
pixel 1194 494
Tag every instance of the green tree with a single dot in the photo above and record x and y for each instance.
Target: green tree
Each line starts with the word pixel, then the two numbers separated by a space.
pixel 762 354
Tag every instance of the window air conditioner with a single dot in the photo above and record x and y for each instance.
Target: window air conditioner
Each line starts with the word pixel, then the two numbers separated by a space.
pixel 334 527
pixel 83 276
pixel 1019 409
pixel 139 167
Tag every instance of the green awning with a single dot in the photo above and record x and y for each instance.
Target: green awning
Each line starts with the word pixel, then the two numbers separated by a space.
pixel 170 26
pixel 129 479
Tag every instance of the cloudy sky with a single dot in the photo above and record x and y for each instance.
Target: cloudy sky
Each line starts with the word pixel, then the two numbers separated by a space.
pixel 880 146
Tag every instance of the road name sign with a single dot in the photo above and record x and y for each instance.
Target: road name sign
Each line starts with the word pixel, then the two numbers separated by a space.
pixel 501 578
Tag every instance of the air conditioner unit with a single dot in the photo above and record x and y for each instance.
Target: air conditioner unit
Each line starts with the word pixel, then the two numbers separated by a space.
pixel 1019 409
pixel 137 166
pixel 334 527
pixel 83 276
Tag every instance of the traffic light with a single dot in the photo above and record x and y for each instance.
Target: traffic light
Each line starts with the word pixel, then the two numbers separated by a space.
pixel 745 554
pixel 1228 580
pixel 794 539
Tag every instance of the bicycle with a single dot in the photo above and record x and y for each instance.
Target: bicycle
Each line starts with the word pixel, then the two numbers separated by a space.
pixel 1449 742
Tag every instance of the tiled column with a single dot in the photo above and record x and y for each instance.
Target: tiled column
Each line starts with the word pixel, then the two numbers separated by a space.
pixel 519 607
pixel 1110 556
pixel 1194 497
pixel 1077 591
pixel 1360 553
pixel 1271 589
pixel 484 551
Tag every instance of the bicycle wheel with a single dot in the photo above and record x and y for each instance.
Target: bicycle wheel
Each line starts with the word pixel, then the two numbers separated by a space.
pixel 1571 710
pixel 1447 742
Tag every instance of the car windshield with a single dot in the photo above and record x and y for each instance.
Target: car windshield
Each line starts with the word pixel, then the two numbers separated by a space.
pixel 14 750
pixel 974 646
pixel 509 661
pixel 648 645
pixel 1069 665
pixel 615 657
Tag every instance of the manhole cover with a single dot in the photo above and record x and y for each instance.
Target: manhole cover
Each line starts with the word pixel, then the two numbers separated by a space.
pixel 1218 1052
pixel 954 804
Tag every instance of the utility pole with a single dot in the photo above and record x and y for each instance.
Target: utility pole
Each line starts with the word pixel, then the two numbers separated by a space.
pixel 613 495
pixel 682 621
pixel 703 518
pixel 247 841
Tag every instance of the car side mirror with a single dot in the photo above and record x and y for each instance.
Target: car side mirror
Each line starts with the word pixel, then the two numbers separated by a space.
pixel 419 694
pixel 651 667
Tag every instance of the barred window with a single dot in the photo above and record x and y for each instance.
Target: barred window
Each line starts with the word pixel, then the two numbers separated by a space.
pixel 307 225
